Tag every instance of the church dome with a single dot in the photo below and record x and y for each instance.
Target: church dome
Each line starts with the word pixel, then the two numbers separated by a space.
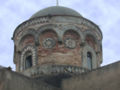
pixel 56 10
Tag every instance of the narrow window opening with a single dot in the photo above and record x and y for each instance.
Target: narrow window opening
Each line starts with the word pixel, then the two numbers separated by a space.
pixel 89 60
pixel 28 62
pixel 60 42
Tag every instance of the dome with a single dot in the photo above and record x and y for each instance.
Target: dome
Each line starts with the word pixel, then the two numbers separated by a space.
pixel 56 10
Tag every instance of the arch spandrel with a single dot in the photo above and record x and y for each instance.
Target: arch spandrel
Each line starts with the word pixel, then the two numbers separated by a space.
pixel 95 38
pixel 94 33
pixel 27 32
pixel 51 27
pixel 66 28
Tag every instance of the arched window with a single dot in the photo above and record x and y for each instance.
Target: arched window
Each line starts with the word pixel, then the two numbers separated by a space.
pixel 28 58
pixel 28 62
pixel 89 60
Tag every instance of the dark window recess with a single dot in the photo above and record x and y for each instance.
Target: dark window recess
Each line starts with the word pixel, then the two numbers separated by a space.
pixel 89 60
pixel 60 42
pixel 28 62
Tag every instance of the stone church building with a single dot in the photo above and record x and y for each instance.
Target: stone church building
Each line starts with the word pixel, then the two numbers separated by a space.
pixel 59 49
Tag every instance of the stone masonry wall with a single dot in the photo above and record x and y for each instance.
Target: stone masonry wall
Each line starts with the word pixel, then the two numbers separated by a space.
pixel 13 81
pixel 105 78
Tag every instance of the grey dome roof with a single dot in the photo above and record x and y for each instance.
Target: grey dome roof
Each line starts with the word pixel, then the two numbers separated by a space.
pixel 56 10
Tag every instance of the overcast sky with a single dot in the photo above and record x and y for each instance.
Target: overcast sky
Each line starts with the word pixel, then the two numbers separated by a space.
pixel 105 13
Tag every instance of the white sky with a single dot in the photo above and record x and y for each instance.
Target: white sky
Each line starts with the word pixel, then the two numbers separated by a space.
pixel 105 13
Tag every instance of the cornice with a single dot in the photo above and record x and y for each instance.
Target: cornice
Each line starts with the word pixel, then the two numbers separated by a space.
pixel 47 19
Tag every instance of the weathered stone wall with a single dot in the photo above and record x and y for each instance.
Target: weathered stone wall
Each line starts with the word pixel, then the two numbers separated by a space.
pixel 105 78
pixel 14 81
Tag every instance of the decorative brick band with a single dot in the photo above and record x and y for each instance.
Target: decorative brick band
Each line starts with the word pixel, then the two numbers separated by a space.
pixel 54 69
